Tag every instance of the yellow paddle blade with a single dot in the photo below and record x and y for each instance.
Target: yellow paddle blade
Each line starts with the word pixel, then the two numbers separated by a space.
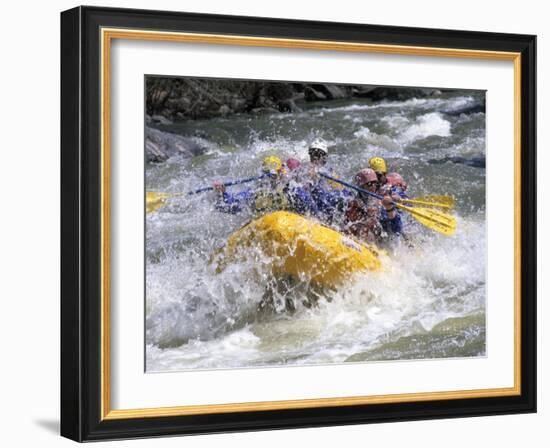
pixel 435 220
pixel 427 203
pixel 155 200
pixel 441 200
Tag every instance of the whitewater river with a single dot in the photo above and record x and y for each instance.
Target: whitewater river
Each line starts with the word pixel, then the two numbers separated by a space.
pixel 428 302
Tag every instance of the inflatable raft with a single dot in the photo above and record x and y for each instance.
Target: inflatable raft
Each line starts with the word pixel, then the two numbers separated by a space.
pixel 301 248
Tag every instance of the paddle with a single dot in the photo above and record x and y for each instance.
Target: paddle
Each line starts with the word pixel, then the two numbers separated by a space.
pixel 435 220
pixel 431 201
pixel 156 199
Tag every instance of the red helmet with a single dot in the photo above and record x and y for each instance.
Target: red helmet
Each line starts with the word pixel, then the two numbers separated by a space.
pixel 395 180
pixel 292 164
pixel 365 176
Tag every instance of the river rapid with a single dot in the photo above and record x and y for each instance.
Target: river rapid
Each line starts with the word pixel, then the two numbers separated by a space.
pixel 428 302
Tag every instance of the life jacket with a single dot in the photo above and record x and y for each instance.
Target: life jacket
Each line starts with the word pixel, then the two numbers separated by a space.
pixel 363 220
pixel 270 199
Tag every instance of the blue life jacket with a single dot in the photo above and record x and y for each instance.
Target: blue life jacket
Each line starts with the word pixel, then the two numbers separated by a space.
pixel 394 225
pixel 234 202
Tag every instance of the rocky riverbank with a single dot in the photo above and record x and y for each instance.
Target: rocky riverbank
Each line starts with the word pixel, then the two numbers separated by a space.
pixel 174 99
pixel 170 101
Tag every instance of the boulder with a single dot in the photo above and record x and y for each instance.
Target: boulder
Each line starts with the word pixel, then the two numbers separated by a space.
pixel 331 91
pixel 362 91
pixel 311 94
pixel 288 106
pixel 160 119
pixel 160 145
pixel 277 91
pixel 238 104
pixel 224 110
pixel 334 92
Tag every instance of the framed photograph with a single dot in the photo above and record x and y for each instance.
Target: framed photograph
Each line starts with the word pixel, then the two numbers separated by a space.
pixel 277 224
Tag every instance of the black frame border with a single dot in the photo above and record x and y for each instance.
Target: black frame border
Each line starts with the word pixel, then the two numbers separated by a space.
pixel 81 223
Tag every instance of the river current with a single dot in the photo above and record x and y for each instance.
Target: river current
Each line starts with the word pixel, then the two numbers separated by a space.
pixel 428 302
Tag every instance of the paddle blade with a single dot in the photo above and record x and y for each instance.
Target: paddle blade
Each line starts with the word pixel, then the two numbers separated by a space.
pixel 155 200
pixel 443 201
pixel 433 219
pixel 420 201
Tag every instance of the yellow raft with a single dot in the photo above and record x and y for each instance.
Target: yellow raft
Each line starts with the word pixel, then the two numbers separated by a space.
pixel 301 248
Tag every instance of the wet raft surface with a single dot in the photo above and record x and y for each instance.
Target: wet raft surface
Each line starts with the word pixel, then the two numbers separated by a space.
pixel 300 248
pixel 427 302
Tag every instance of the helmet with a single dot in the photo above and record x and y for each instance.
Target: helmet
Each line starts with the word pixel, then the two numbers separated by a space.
pixel 292 164
pixel 272 164
pixel 319 144
pixel 378 164
pixel 395 180
pixel 365 176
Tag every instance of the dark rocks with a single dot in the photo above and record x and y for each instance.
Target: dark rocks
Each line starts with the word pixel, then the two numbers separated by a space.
pixel 157 96
pixel 279 91
pixel 310 94
pixel 160 119
pixel 160 145
pixel 397 94
pixel 478 107
pixel 196 98
pixel 474 162
pixel 154 152
pixel 332 91
pixel 323 92
pixel 224 110
pixel 288 106
pixel 238 104
pixel 363 91
pixel 264 110
pixel 178 103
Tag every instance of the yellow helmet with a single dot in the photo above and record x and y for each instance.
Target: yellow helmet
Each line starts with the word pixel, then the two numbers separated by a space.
pixel 272 164
pixel 378 164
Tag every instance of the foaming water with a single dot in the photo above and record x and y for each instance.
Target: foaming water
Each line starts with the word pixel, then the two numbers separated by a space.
pixel 427 302
pixel 214 322
pixel 426 126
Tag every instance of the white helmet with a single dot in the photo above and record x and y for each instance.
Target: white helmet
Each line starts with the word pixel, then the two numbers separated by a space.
pixel 319 144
